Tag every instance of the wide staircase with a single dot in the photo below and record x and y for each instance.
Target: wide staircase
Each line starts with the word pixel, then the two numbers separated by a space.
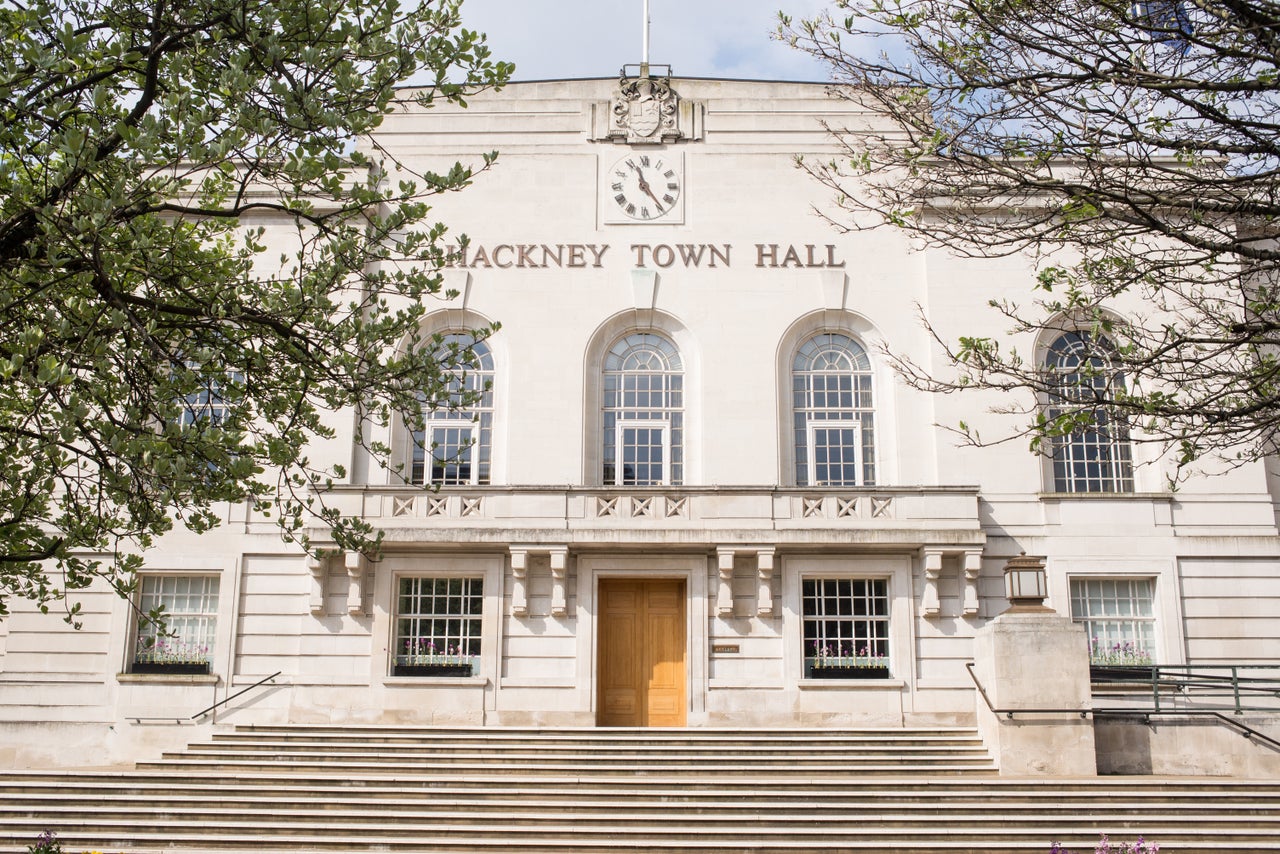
pixel 400 789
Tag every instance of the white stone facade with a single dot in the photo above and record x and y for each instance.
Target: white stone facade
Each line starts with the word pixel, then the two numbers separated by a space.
pixel 736 273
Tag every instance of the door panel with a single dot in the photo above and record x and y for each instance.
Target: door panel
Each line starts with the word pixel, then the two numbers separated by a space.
pixel 641 653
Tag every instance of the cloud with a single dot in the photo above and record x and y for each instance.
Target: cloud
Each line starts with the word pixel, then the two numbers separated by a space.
pixel 549 39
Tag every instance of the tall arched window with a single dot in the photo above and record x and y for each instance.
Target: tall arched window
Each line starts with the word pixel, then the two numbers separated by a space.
pixel 1097 457
pixel 833 412
pixel 455 445
pixel 643 407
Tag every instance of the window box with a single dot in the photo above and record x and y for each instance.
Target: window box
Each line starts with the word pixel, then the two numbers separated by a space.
pixel 813 671
pixel 198 667
pixel 454 670
pixel 1121 673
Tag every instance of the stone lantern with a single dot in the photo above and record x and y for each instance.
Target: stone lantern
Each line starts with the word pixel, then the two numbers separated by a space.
pixel 1025 584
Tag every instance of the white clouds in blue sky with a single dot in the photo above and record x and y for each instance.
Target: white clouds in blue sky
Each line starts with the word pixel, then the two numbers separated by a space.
pixel 549 39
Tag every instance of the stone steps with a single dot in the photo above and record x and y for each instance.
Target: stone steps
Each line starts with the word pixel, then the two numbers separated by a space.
pixel 610 751
pixel 673 837
pixel 580 750
pixel 289 790
pixel 370 734
pixel 812 790
pixel 604 814
pixel 934 765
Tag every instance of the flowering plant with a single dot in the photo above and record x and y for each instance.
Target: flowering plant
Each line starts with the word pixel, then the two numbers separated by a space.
pixel 1118 653
pixel 159 649
pixel 838 655
pixel 1105 847
pixel 46 843
pixel 420 651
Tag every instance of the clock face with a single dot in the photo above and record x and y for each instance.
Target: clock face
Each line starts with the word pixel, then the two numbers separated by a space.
pixel 644 186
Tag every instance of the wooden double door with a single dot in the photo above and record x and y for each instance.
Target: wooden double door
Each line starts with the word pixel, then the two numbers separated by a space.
pixel 641 652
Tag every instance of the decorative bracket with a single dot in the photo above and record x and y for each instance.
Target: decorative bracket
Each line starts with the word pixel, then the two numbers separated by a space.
pixel 724 596
pixel 931 604
pixel 519 586
pixel 559 559
pixel 972 570
pixel 356 565
pixel 764 566
pixel 559 564
pixel 319 569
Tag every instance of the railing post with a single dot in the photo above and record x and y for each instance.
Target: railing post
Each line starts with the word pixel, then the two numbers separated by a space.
pixel 1155 687
pixel 1235 687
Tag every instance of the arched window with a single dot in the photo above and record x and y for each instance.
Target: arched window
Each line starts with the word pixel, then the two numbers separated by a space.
pixel 643 407
pixel 833 413
pixel 1096 457
pixel 455 444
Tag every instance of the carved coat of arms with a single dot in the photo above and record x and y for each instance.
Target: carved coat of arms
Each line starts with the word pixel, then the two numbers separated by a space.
pixel 645 110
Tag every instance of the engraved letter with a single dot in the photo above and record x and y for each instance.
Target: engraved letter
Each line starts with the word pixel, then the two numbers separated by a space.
pixel 691 254
pixel 769 251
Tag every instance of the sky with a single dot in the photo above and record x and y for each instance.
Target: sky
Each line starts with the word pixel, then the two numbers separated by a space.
pixel 550 39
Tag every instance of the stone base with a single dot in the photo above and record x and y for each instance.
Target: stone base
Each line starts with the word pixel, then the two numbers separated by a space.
pixel 1035 663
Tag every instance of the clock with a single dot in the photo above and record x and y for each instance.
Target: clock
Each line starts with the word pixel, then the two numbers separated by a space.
pixel 644 188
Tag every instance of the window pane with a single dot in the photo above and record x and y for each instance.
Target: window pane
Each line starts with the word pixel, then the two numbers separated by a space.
pixel 456 446
pixel 845 628
pixel 1096 458
pixel 831 381
pixel 1118 616
pixel 649 369
pixel 189 621
pixel 438 623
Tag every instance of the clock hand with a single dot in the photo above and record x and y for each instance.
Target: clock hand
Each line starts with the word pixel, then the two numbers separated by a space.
pixel 646 189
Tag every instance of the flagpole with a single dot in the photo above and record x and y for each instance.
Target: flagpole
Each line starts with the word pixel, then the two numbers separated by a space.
pixel 644 52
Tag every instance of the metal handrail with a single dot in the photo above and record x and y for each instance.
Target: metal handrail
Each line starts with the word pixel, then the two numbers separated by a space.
pixel 1130 711
pixel 1084 713
pixel 1246 730
pixel 1199 681
pixel 231 697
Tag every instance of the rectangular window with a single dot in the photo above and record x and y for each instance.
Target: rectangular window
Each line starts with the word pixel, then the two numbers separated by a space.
pixel 644 448
pixel 1094 460
pixel 846 628
pixel 835 457
pixel 183 641
pixel 208 406
pixel 1119 617
pixel 450 446
pixel 438 626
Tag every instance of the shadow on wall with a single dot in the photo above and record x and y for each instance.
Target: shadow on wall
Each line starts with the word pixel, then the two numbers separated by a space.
pixel 1185 746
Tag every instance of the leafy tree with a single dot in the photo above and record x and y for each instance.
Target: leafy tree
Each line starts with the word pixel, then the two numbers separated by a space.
pixel 1131 148
pixel 156 355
